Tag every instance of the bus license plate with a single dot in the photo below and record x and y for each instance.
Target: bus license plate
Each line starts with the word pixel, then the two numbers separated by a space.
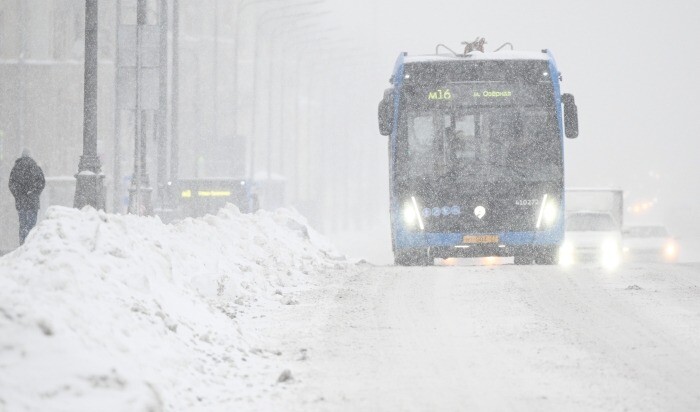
pixel 480 239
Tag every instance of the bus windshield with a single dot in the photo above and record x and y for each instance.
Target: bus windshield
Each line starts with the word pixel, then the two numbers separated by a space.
pixel 487 144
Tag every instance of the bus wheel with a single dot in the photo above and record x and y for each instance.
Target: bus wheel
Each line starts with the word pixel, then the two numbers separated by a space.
pixel 413 258
pixel 547 256
pixel 525 259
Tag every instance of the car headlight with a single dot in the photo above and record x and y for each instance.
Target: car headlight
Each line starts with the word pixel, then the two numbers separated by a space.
pixel 610 246
pixel 610 256
pixel 670 250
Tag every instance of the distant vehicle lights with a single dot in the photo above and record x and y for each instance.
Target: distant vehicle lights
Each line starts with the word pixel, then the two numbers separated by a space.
pixel 609 256
pixel 642 206
pixel 651 242
pixel 671 251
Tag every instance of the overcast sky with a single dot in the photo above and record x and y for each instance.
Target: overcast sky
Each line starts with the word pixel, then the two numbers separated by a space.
pixel 633 67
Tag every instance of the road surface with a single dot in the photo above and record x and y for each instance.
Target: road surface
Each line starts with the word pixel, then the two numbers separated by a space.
pixel 492 338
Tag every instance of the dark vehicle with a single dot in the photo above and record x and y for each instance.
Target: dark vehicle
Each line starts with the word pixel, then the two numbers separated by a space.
pixel 476 156
pixel 201 196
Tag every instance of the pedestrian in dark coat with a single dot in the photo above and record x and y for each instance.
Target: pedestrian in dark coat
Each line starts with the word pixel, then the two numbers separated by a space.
pixel 26 183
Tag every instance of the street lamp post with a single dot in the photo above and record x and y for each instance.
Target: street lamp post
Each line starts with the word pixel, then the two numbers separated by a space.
pixel 89 187
pixel 250 144
pixel 291 39
pixel 240 8
pixel 117 159
pixel 22 73
pixel 175 95
pixel 289 33
pixel 162 112
pixel 269 17
pixel 310 134
pixel 140 190
pixel 216 71
pixel 331 47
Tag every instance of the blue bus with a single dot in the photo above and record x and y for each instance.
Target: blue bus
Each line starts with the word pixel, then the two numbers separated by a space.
pixel 476 155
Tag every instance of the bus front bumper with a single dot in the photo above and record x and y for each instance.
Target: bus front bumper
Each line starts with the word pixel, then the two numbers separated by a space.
pixel 444 245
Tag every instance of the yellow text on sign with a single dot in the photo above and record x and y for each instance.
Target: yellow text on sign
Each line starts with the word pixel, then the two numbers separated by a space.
pixel 213 193
pixel 440 94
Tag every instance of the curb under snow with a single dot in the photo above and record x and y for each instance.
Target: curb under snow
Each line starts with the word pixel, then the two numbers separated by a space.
pixel 138 314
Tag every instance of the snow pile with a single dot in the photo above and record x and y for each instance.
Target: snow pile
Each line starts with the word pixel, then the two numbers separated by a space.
pixel 113 312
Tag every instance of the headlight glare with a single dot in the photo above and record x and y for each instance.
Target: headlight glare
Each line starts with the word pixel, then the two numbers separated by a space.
pixel 411 214
pixel 551 211
pixel 670 250
pixel 566 254
pixel 548 212
pixel 610 246
pixel 610 256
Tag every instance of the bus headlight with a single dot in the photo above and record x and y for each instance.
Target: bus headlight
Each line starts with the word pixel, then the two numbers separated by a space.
pixel 551 212
pixel 411 214
pixel 548 213
pixel 410 218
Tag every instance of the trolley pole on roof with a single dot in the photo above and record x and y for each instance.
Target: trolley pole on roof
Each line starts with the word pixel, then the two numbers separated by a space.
pixel 89 189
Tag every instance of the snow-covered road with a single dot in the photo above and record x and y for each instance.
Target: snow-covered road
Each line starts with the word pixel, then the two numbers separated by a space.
pixel 496 338
pixel 259 312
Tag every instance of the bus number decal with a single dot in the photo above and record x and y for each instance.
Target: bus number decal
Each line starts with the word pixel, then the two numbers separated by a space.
pixel 440 94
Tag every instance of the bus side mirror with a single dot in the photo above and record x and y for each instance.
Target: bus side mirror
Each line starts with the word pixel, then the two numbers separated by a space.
pixel 385 113
pixel 570 116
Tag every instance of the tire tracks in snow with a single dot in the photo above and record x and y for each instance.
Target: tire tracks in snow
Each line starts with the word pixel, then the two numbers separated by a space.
pixel 498 338
pixel 635 358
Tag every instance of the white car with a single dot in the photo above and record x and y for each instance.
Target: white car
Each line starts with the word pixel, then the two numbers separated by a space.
pixel 591 237
pixel 649 243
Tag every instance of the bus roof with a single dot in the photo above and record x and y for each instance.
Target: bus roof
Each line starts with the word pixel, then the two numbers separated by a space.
pixel 476 55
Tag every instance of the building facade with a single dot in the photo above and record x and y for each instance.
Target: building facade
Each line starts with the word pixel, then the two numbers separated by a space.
pixel 289 120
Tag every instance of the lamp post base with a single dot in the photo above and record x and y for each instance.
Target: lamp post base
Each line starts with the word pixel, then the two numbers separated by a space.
pixel 140 201
pixel 89 190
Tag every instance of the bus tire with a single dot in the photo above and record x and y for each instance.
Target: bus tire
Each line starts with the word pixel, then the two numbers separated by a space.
pixel 413 258
pixel 547 256
pixel 524 259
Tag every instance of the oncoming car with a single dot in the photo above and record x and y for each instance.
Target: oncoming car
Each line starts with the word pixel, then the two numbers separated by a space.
pixel 591 237
pixel 649 243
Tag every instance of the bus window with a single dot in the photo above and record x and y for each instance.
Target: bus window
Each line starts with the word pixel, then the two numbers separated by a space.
pixel 541 143
pixel 503 129
pixel 464 140
pixel 421 138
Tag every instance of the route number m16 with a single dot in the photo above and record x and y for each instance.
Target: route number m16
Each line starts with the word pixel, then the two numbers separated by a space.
pixel 440 94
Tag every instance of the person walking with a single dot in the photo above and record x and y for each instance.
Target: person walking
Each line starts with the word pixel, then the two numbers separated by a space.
pixel 26 184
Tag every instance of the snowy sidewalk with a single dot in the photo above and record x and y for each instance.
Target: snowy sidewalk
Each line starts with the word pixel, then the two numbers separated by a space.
pixel 112 312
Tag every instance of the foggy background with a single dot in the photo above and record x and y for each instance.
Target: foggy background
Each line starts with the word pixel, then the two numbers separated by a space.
pixel 309 119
